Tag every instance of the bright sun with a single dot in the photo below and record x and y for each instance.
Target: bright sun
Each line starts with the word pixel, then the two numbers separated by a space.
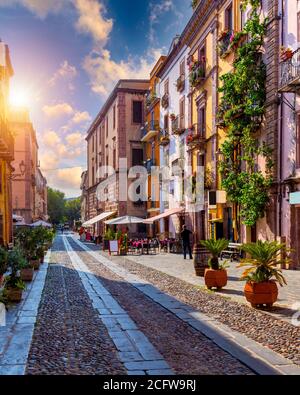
pixel 19 97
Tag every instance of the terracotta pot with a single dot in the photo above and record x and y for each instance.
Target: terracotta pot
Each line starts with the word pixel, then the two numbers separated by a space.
pixel 35 264
pixel 215 278
pixel 27 274
pixel 14 294
pixel 259 294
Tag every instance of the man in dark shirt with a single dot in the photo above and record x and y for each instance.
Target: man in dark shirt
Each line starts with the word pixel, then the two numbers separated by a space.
pixel 185 236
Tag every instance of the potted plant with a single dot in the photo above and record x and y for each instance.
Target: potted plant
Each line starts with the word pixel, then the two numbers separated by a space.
pixel 286 53
pixel 263 272
pixel 3 264
pixel 14 286
pixel 216 275
pixel 35 260
pixel 40 253
pixel 26 269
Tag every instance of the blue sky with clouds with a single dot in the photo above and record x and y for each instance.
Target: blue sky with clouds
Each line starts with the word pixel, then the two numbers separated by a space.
pixel 67 56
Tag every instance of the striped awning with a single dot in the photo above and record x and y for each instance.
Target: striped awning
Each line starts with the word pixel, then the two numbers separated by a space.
pixel 98 218
pixel 167 213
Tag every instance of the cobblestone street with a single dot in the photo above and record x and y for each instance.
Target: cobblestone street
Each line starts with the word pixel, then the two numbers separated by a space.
pixel 113 316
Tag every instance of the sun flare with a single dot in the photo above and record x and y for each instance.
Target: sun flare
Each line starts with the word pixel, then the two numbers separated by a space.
pixel 19 97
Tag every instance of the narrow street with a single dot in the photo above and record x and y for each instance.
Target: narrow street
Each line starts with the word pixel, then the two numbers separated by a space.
pixel 95 316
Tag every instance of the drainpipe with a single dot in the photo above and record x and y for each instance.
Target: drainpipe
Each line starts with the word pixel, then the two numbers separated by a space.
pixel 281 137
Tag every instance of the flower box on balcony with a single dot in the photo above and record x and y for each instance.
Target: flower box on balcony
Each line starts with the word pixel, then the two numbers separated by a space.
pixel 195 140
pixel 164 140
pixel 197 73
pixel 165 100
pixel 286 54
pixel 178 131
pixel 180 84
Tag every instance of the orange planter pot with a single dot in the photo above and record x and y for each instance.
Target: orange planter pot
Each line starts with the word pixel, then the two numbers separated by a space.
pixel 14 294
pixel 215 278
pixel 35 264
pixel 259 294
pixel 26 274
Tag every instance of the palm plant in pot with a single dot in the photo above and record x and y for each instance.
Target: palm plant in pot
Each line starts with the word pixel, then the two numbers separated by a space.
pixel 263 272
pixel 14 286
pixel 3 264
pixel 216 275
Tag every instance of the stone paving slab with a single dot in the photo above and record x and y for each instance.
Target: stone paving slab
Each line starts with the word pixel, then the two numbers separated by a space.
pixel 251 353
pixel 15 339
pixel 130 342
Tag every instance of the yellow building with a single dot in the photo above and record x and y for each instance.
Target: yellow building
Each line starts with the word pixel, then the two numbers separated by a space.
pixel 151 139
pixel 6 148
pixel 208 36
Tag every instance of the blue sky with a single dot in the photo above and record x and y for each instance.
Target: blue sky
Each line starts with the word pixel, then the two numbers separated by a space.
pixel 67 56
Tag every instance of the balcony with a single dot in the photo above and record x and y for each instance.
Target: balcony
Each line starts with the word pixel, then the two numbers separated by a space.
pixel 149 163
pixel 151 100
pixel 178 125
pixel 196 138
pixel 290 72
pixel 164 138
pixel 230 40
pixel 165 101
pixel 180 83
pixel 197 73
pixel 150 130
pixel 6 142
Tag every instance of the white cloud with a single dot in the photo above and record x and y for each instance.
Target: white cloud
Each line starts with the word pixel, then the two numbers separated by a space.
pixel 74 139
pixel 68 178
pixel 104 72
pixel 65 72
pixel 80 117
pixel 58 110
pixel 156 10
pixel 91 20
pixel 41 8
pixel 51 138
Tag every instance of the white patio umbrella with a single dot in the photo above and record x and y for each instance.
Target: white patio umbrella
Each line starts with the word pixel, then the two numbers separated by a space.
pixel 126 220
pixel 41 223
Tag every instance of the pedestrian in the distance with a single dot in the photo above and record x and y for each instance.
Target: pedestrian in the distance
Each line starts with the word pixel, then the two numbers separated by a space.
pixel 185 236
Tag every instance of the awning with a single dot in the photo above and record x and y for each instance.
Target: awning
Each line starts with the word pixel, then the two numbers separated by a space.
pixel 164 215
pixel 44 224
pixel 126 220
pixel 99 218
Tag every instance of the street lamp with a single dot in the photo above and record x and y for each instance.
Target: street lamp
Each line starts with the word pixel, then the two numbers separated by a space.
pixel 22 168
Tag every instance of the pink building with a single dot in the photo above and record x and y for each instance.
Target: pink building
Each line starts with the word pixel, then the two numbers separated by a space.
pixel 115 134
pixel 29 187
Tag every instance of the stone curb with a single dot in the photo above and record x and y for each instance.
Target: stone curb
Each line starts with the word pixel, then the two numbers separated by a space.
pixel 14 358
pixel 260 359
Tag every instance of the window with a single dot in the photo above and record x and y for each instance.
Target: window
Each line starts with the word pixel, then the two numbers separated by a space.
pixel 166 122
pixel 137 155
pixel 201 120
pixel 181 113
pixel 182 68
pixel 114 117
pixel 93 143
pixel 228 18
pixel 114 154
pixel 166 87
pixel 137 112
pixel 106 126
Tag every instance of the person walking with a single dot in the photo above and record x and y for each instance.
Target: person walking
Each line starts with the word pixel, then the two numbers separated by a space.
pixel 185 236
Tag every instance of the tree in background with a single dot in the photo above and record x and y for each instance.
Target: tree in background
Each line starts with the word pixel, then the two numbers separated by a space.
pixel 72 209
pixel 56 206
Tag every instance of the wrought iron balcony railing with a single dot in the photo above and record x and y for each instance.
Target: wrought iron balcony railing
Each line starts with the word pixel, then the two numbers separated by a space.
pixel 290 71
pixel 197 73
pixel 180 83
pixel 165 100
pixel 150 130
pixel 178 125
pixel 196 137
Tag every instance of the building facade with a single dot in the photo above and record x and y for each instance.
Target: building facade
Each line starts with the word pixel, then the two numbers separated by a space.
pixel 116 134
pixel 29 186
pixel 174 91
pixel 6 148
pixel 151 134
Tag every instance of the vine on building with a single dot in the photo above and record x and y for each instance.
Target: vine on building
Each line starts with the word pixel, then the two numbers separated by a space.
pixel 241 114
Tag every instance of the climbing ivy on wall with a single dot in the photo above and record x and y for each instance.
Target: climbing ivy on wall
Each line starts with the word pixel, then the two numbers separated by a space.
pixel 241 114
